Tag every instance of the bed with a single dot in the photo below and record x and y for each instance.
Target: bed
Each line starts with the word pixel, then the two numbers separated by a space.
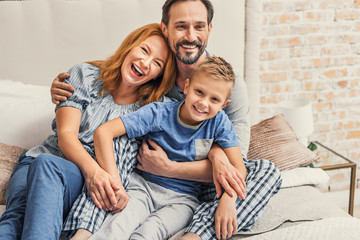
pixel 40 39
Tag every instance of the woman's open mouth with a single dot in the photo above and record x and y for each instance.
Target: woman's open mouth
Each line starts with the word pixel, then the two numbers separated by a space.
pixel 136 70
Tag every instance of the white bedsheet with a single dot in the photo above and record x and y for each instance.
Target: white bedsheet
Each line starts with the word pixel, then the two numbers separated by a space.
pixel 334 228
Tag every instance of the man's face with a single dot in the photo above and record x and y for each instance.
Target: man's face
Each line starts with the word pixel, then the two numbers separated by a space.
pixel 188 30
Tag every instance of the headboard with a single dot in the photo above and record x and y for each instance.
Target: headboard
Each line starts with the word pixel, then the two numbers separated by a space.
pixel 41 38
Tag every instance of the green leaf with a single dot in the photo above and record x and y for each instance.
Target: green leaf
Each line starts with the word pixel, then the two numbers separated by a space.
pixel 312 146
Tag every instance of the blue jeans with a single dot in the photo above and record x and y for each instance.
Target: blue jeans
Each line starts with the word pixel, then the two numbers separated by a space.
pixel 40 194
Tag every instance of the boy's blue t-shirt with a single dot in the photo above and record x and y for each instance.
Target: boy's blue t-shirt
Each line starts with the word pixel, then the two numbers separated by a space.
pixel 181 142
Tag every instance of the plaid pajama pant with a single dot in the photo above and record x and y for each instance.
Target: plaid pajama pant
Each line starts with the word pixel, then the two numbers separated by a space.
pixel 262 182
pixel 84 214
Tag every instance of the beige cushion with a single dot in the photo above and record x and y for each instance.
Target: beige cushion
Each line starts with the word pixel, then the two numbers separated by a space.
pixel 274 139
pixel 9 156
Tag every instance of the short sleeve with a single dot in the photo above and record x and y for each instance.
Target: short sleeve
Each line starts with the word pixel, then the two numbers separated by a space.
pixel 146 119
pixel 225 134
pixel 82 78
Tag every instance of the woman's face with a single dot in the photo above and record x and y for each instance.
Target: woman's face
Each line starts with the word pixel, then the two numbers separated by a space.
pixel 144 62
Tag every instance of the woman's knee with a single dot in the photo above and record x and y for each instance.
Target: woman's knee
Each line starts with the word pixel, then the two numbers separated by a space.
pixel 44 160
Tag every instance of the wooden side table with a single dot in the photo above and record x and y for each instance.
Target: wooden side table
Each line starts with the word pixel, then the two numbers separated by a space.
pixel 331 160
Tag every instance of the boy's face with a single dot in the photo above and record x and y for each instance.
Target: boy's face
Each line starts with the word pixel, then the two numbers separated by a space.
pixel 205 97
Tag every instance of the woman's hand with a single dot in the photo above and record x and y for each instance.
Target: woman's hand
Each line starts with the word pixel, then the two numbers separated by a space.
pixel 153 161
pixel 59 90
pixel 225 217
pixel 103 189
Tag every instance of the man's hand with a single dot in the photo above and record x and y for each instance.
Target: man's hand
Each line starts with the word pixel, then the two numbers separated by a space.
pixel 59 90
pixel 226 175
pixel 102 187
pixel 153 161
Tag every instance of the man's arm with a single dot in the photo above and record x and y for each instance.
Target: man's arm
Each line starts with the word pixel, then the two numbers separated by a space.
pixel 59 90
pixel 225 173
pixel 156 162
pixel 238 112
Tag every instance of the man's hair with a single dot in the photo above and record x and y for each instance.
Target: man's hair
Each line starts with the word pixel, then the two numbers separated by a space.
pixel 217 68
pixel 168 3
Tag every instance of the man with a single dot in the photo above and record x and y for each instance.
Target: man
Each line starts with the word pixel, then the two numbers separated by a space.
pixel 187 25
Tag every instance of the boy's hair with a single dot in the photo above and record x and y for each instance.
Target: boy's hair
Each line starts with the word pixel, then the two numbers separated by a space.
pixel 217 68
pixel 168 3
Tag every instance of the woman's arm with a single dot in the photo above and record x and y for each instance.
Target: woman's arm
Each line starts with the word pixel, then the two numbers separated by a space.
pixel 98 182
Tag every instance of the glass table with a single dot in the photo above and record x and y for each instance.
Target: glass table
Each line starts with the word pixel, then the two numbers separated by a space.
pixel 331 160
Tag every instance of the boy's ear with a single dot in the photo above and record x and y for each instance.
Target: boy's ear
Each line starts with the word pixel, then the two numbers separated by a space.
pixel 225 104
pixel 186 88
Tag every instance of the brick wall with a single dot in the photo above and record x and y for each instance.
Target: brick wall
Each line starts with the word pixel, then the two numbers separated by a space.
pixel 311 48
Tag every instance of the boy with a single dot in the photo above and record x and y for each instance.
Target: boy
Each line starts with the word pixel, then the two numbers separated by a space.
pixel 186 131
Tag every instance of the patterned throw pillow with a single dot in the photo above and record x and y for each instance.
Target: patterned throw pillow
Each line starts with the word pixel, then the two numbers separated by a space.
pixel 9 156
pixel 273 139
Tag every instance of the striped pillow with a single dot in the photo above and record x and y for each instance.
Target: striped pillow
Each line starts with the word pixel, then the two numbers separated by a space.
pixel 273 139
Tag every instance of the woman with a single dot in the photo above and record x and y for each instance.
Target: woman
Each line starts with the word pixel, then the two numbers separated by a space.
pixel 44 184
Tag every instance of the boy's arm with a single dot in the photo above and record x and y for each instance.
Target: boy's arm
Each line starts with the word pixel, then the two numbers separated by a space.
pixel 103 143
pixel 104 151
pixel 225 215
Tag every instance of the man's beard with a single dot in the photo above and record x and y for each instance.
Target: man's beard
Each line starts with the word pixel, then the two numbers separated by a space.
pixel 188 59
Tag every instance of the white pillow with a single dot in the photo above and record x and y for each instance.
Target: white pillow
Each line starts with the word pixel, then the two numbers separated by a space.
pixel 26 113
pixel 304 176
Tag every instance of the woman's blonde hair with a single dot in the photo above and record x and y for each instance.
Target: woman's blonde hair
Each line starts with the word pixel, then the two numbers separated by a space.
pixel 110 69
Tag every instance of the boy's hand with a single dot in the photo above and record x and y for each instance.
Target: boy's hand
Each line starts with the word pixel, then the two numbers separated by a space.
pixel 101 187
pixel 225 217
pixel 59 90
pixel 123 199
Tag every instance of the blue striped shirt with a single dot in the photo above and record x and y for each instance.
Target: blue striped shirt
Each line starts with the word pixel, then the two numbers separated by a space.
pixel 94 110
